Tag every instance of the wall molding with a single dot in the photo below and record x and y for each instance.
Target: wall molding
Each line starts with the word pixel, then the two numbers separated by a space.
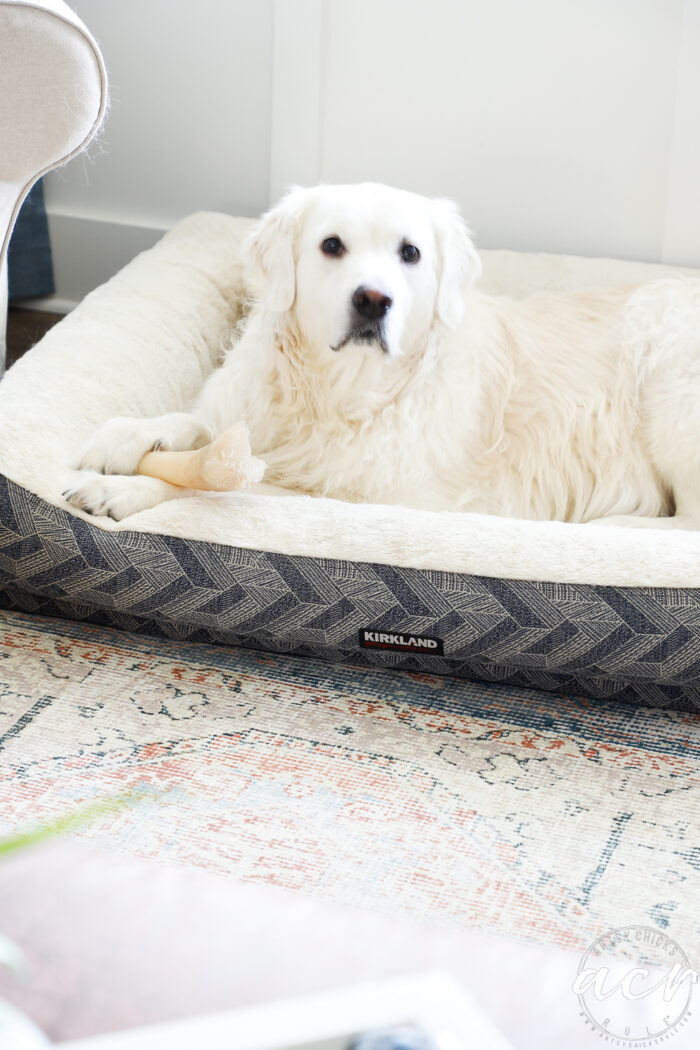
pixel 681 239
pixel 89 250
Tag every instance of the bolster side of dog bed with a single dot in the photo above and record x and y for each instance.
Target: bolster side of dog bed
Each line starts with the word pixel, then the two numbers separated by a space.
pixel 636 645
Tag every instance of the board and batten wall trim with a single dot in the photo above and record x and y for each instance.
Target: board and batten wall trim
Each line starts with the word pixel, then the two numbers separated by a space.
pixel 681 243
pixel 93 235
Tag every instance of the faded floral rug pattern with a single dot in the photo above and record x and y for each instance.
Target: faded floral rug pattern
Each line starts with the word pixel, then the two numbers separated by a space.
pixel 520 812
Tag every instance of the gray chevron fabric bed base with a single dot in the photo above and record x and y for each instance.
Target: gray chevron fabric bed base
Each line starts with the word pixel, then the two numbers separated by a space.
pixel 637 645
pixel 598 688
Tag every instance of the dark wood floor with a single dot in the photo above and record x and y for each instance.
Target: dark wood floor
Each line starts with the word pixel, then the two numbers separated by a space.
pixel 25 328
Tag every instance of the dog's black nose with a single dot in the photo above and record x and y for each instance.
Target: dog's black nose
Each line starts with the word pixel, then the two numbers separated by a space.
pixel 370 303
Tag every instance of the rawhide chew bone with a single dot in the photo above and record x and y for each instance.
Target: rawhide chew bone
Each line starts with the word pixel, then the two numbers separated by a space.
pixel 222 466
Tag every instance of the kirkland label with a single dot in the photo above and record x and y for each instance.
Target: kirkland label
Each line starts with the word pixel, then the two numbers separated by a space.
pixel 401 643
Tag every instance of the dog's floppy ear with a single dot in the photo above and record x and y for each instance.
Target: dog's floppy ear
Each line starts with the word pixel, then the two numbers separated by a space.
pixel 269 252
pixel 460 262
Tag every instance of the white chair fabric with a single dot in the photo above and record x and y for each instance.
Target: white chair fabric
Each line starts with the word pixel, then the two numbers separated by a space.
pixel 53 97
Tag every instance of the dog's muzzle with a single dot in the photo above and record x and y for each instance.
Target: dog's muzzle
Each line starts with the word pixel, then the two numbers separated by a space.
pixel 367 313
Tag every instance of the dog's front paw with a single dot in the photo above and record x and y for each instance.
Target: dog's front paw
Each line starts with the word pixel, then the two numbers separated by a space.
pixel 119 445
pixel 116 496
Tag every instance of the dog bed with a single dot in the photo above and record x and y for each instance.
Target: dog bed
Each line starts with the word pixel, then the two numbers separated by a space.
pixel 608 612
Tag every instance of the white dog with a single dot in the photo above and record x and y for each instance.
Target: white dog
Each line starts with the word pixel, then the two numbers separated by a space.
pixel 370 369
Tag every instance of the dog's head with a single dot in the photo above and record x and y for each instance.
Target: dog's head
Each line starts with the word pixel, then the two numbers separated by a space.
pixel 363 265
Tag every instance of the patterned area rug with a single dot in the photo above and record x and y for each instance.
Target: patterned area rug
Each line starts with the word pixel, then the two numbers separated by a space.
pixel 521 812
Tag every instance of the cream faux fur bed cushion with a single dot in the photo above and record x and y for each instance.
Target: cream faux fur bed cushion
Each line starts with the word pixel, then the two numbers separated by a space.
pixel 142 345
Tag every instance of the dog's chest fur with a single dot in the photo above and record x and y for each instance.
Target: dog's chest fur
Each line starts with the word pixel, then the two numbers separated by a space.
pixel 479 421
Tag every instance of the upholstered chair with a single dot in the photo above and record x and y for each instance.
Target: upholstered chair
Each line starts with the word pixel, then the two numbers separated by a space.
pixel 53 96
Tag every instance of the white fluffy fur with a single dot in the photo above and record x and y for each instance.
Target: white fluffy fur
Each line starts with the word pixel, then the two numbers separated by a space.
pixel 569 407
pixel 143 345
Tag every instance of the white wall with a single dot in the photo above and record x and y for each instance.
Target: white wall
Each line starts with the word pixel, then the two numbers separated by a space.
pixel 188 129
pixel 558 125
pixel 550 121
pixel 189 124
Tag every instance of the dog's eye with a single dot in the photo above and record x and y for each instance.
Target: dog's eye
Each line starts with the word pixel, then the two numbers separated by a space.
pixel 409 253
pixel 333 246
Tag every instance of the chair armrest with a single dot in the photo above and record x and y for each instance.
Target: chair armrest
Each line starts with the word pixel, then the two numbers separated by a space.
pixel 53 96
